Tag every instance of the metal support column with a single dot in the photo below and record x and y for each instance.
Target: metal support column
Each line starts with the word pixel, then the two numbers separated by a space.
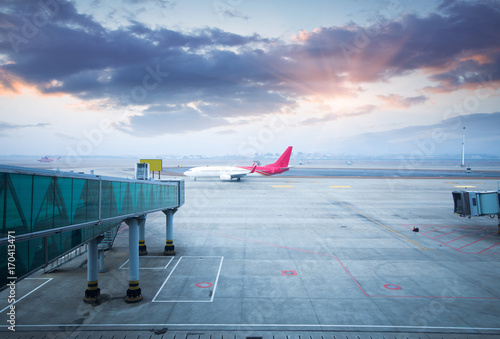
pixel 92 293
pixel 142 236
pixel 101 262
pixel 170 248
pixel 133 292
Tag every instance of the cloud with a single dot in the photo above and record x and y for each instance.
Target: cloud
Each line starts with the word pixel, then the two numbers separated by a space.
pixel 358 111
pixel 66 137
pixel 319 120
pixel 231 13
pixel 398 101
pixel 6 127
pixel 226 132
pixel 169 121
pixel 462 38
pixel 362 110
pixel 235 75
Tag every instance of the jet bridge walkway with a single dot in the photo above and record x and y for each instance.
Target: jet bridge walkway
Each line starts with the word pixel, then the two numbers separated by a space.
pixel 47 214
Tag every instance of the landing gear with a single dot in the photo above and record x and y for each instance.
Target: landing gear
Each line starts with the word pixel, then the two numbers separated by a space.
pixel 239 179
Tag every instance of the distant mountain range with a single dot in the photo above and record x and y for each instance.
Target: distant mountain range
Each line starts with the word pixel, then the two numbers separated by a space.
pixel 482 133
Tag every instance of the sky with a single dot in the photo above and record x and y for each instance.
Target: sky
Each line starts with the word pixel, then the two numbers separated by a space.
pixel 216 77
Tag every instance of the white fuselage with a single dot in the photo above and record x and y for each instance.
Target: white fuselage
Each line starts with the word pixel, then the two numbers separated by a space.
pixel 215 171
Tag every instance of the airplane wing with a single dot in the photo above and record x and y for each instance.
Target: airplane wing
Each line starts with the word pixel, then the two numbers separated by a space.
pixel 230 176
pixel 236 175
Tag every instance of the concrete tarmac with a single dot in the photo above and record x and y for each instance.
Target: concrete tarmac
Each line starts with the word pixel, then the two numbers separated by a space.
pixel 285 257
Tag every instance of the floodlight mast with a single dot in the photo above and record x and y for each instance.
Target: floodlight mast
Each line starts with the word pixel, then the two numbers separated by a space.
pixel 463 148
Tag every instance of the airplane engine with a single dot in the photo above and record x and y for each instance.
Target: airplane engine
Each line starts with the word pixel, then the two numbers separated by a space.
pixel 225 177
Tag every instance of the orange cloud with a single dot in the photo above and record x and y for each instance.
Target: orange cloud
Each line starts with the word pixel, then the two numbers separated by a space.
pixel 305 35
pixel 398 101
pixel 480 59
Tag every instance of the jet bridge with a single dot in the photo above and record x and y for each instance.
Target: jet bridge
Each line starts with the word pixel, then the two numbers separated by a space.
pixel 482 203
pixel 46 214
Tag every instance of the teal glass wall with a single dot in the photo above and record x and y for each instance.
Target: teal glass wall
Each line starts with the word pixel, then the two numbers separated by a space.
pixel 30 254
pixel 44 205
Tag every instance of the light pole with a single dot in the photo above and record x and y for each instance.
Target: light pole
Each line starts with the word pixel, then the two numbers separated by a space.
pixel 463 148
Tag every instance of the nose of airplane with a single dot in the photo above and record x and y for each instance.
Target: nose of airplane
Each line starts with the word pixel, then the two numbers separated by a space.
pixel 188 173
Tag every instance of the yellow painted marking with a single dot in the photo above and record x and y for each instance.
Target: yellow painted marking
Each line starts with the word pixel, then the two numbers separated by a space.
pixel 340 186
pixel 388 228
pixel 282 186
pixel 463 186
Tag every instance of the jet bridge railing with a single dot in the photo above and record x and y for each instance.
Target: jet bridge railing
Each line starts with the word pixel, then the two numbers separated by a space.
pixel 45 214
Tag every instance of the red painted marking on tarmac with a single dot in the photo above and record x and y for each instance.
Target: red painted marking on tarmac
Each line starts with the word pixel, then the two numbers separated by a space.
pixel 489 248
pixel 126 226
pixel 392 287
pixel 285 247
pixel 437 229
pixel 409 226
pixel 156 216
pixel 457 229
pixel 425 226
pixel 341 264
pixel 463 236
pixel 204 285
pixel 288 272
pixel 475 241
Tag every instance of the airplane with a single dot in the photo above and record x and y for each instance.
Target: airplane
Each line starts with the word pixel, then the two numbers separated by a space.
pixel 227 173
pixel 47 159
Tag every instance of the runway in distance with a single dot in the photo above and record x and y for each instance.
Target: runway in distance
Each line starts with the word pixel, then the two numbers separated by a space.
pixel 227 173
pixel 48 159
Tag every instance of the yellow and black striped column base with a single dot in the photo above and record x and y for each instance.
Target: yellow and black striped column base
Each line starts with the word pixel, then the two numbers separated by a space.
pixel 92 293
pixel 169 248
pixel 142 247
pixel 134 292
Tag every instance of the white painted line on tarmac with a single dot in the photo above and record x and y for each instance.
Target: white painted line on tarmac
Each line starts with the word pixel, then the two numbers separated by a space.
pixel 148 268
pixel 24 296
pixel 190 301
pixel 217 279
pixel 286 326
pixel 170 274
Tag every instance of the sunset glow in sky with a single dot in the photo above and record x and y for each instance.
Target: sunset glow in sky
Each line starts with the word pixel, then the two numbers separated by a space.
pixel 238 76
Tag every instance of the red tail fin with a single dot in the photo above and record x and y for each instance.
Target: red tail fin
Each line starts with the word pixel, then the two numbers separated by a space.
pixel 283 159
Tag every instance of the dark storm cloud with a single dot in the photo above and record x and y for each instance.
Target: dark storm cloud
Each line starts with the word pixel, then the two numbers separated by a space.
pixel 127 65
pixel 59 50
